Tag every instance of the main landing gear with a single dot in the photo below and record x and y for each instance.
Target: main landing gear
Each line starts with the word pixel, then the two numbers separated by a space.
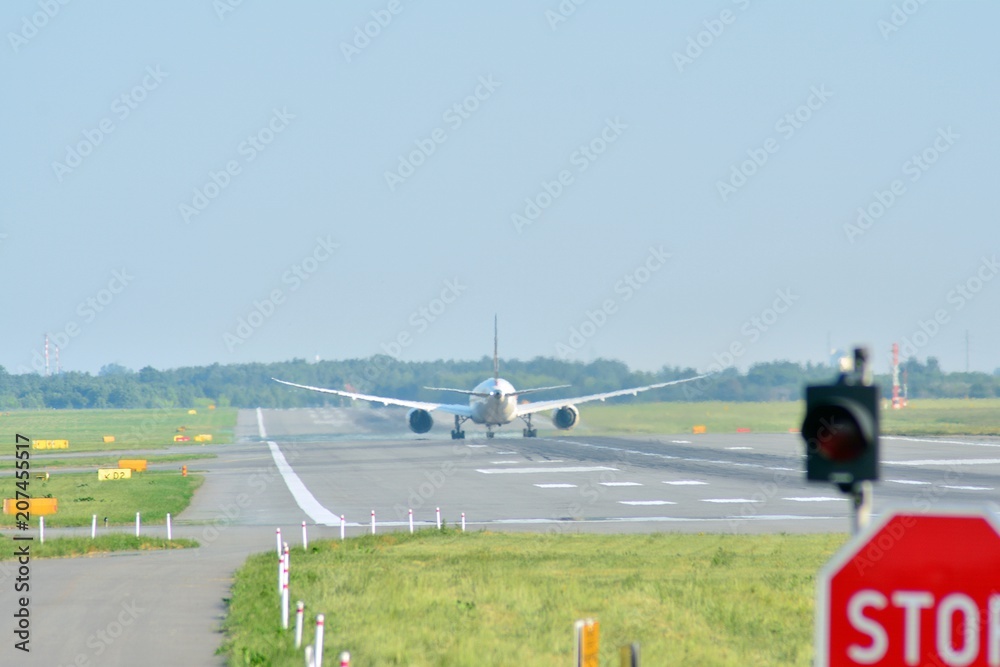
pixel 457 433
pixel 529 432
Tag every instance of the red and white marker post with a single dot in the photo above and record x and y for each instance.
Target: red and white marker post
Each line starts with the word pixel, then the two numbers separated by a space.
pixel 437 511
pixel 305 538
pixel 373 522
pixel 319 640
pixel 343 526
pixel 300 610
pixel 917 588
pixel 463 522
pixel 411 521
pixel 277 537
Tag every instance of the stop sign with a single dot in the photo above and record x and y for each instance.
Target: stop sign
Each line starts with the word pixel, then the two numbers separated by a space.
pixel 916 588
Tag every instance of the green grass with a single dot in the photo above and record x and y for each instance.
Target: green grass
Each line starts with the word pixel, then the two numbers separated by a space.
pixel 81 495
pixel 451 598
pixel 133 429
pixel 69 547
pixel 922 417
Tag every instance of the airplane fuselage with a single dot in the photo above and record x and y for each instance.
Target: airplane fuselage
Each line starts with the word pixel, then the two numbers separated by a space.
pixel 497 405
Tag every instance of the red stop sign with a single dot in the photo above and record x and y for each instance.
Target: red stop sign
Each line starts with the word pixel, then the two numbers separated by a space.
pixel 916 588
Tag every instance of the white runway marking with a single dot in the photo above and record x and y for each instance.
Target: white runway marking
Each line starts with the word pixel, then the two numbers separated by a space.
pixel 260 425
pixel 501 471
pixel 303 498
pixel 621 484
pixel 556 486
pixel 477 446
pixel 737 448
pixel 730 500
pixel 646 502
pixel 907 481
pixel 967 488
pixel 945 462
pixel 500 463
pixel 686 482
pixel 506 453
pixel 943 442
pixel 681 442
pixel 814 499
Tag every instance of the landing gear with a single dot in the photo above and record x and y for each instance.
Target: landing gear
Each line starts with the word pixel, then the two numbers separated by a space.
pixel 529 432
pixel 457 433
pixel 489 432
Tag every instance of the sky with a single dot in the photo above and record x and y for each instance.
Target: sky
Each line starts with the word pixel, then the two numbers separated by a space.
pixel 695 184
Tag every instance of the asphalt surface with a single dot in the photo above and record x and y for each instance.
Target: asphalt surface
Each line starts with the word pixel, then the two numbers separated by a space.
pixel 289 466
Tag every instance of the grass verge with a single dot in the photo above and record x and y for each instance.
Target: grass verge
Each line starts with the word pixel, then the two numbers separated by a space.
pixel 41 463
pixel 69 547
pixel 132 429
pixel 452 598
pixel 81 495
pixel 923 417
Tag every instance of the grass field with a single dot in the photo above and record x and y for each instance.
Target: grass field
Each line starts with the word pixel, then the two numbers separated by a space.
pixel 452 598
pixel 39 463
pixel 921 417
pixel 68 547
pixel 133 429
pixel 81 495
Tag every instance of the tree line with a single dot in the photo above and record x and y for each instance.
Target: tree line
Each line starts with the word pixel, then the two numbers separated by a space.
pixel 250 385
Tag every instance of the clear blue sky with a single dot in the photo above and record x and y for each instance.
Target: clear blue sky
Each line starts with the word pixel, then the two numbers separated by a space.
pixel 698 169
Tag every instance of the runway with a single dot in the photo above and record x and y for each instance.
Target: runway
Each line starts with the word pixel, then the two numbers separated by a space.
pixel 738 483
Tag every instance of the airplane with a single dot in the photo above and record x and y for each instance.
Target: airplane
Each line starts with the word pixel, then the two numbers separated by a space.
pixel 494 402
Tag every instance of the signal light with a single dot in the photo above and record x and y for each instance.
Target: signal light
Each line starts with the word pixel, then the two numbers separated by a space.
pixel 840 429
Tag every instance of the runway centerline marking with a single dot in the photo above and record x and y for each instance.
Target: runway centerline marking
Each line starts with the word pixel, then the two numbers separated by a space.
pixel 730 500
pixel 260 425
pixel 943 442
pixel 686 482
pixel 503 471
pixel 620 483
pixel 907 481
pixel 647 502
pixel 556 486
pixel 967 488
pixel 738 448
pixel 813 499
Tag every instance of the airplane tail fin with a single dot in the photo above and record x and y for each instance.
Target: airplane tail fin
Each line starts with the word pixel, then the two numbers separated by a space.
pixel 496 358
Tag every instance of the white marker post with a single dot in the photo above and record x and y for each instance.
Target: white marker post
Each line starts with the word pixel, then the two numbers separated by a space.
pixel 284 606
pixel 170 533
pixel 300 609
pixel 309 657
pixel 319 640
pixel 288 561
pixel 137 524
pixel 438 512
pixel 93 528
pixel 277 536
pixel 463 522
pixel 281 572
pixel 373 522
pixel 41 529
pixel 343 525
pixel 411 521
pixel 305 538
pixel 345 659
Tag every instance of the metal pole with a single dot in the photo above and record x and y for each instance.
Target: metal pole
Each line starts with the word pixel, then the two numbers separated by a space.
pixel 861 502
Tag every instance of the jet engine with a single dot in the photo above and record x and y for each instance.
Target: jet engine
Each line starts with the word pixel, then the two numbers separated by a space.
pixel 420 421
pixel 565 417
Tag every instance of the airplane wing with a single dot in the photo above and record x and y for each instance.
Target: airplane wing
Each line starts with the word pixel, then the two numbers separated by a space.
pixel 452 409
pixel 539 406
